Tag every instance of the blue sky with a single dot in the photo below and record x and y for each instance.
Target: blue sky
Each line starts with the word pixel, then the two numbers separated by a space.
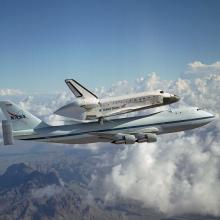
pixel 99 42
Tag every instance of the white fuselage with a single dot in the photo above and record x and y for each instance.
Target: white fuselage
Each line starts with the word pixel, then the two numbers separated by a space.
pixel 164 122
pixel 129 103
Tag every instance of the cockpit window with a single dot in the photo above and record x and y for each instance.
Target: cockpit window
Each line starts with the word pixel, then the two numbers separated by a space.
pixel 161 91
pixel 198 109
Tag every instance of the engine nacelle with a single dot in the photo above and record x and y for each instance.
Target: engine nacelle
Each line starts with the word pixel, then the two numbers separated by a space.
pixel 124 139
pixel 146 138
pixel 7 132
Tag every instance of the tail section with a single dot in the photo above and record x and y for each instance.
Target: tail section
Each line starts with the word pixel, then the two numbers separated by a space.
pixel 19 118
pixel 78 90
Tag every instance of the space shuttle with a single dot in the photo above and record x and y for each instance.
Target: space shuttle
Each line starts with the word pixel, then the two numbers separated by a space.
pixel 87 106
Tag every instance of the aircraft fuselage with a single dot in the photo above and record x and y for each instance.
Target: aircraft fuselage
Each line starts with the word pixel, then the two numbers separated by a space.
pixel 159 123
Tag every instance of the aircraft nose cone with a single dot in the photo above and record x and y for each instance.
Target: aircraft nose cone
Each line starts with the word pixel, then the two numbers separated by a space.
pixel 211 116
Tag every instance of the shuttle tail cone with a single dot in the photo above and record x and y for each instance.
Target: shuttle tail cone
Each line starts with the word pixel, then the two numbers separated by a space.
pixel 171 99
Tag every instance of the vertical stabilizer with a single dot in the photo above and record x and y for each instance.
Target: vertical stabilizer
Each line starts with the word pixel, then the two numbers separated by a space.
pixel 19 118
pixel 78 90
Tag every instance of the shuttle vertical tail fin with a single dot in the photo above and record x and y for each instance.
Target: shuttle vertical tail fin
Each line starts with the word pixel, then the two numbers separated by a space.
pixel 78 90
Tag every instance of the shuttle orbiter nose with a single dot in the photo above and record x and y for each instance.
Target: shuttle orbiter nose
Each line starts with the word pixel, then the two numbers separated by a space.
pixel 171 99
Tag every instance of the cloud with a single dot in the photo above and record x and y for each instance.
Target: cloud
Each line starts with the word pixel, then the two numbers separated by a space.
pixel 10 92
pixel 198 69
pixel 175 175
pixel 197 66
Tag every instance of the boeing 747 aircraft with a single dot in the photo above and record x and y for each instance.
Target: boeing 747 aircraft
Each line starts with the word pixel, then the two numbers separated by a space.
pixel 22 125
pixel 88 106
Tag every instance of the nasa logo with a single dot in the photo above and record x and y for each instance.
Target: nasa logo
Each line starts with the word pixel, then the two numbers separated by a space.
pixel 16 116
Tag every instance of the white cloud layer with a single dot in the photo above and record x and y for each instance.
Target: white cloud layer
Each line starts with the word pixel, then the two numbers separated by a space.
pixel 175 175
pixel 10 92
pixel 198 69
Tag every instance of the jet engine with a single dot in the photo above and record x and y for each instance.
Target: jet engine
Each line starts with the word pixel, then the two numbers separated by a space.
pixel 124 139
pixel 146 138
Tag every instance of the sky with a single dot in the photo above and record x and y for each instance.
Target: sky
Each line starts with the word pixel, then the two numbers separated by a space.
pixel 100 42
